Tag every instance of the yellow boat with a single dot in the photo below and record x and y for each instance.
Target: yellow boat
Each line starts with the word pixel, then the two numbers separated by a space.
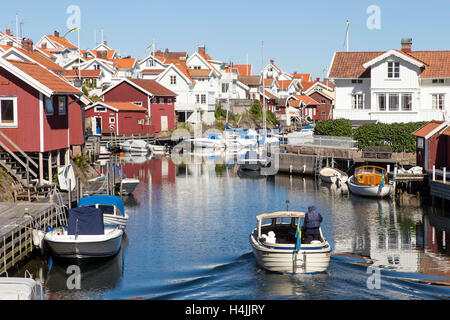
pixel 370 181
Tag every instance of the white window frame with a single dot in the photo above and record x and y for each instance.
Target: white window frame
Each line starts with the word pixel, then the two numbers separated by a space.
pixel 357 102
pixel 112 120
pixel 394 73
pixel 9 124
pixel 173 79
pixel 420 142
pixel 62 112
pixel 161 100
pixel 435 101
pixel 169 101
pixel 203 99
pixel 138 103
pixel 102 109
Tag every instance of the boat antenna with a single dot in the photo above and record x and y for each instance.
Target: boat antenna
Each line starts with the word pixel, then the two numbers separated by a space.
pixel 287 205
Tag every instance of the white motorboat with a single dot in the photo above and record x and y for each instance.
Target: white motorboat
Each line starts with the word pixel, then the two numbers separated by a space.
pixel 85 236
pixel 332 175
pixel 207 143
pixel 135 145
pixel 252 161
pixel 370 181
pixel 276 245
pixel 112 207
pixel 17 288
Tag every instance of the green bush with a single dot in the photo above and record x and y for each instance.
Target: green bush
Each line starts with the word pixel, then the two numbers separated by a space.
pixel 337 128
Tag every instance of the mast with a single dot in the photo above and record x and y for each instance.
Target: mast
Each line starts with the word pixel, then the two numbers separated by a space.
pixel 264 99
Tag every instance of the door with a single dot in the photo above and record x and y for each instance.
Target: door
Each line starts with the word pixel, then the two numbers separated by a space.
pixel 98 125
pixel 164 123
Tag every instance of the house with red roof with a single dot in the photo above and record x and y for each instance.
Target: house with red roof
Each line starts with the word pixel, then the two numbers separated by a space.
pixel 156 101
pixel 58 46
pixel 391 86
pixel 41 113
pixel 433 145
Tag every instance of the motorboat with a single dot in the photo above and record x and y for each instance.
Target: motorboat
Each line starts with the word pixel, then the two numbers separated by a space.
pixel 157 149
pixel 135 145
pixel 213 141
pixel 278 245
pixel 105 153
pixel 85 236
pixel 18 288
pixel 370 181
pixel 112 207
pixel 333 175
pixel 128 185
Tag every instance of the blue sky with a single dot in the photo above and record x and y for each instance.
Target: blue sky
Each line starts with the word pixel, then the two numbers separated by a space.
pixel 299 35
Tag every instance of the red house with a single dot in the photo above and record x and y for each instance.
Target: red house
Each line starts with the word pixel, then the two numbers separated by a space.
pixel 40 113
pixel 433 145
pixel 309 107
pixel 120 118
pixel 157 100
pixel 325 106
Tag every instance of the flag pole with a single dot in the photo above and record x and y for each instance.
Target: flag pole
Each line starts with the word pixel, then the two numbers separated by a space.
pixel 347 36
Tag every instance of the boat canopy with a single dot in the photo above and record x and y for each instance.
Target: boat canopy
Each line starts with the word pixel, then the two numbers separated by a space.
pixel 281 214
pixel 228 128
pixel 85 221
pixel 103 200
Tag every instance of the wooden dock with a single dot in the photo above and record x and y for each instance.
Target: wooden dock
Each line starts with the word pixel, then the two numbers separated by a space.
pixel 17 220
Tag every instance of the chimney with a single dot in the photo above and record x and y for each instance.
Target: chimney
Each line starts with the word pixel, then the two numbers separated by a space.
pixel 56 34
pixel 105 43
pixel 406 44
pixel 271 61
pixel 317 79
pixel 27 44
pixel 167 51
pixel 201 49
pixel 44 45
pixel 8 32
pixel 295 72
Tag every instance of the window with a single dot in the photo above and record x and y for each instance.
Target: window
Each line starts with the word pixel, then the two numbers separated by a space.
pixel 393 69
pixel 100 109
pixel 357 101
pixel 49 107
pixel 161 100
pixel 140 121
pixel 381 102
pixel 138 103
pixel 225 87
pixel 173 79
pixel 62 106
pixel 169 101
pixel 394 102
pixel 8 112
pixel 357 81
pixel 203 99
pixel 150 63
pixel 112 120
pixel 437 81
pixel 197 98
pixel 406 102
pixel 323 101
pixel 420 143
pixel 438 101
pixel 154 100
pixel 196 67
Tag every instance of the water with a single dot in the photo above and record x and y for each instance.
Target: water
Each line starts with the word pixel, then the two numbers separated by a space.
pixel 188 230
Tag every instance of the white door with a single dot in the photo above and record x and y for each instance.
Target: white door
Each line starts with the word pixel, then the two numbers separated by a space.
pixel 164 123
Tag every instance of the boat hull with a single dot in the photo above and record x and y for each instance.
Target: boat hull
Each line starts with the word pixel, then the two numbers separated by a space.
pixel 84 246
pixel 129 185
pixel 332 175
pixel 311 258
pixel 369 191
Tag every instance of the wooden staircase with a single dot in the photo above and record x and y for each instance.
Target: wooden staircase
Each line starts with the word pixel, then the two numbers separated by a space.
pixel 18 164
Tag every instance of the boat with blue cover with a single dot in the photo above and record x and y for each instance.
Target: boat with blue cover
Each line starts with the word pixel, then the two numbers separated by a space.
pixel 112 207
pixel 85 236
pixel 278 245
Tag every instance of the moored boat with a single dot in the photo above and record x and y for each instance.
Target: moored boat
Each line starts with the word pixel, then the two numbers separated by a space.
pixel 17 288
pixel 332 175
pixel 86 236
pixel 370 181
pixel 277 248
pixel 135 145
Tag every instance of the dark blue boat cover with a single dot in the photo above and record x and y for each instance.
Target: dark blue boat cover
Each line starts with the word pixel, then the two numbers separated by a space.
pixel 85 221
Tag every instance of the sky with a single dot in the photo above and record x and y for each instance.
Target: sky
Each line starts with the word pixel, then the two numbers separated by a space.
pixel 300 36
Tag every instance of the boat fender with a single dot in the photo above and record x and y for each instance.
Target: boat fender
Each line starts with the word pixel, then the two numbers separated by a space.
pixel 48 229
pixel 38 237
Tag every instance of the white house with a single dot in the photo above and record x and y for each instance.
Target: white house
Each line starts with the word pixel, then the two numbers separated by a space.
pixel 60 47
pixel 392 86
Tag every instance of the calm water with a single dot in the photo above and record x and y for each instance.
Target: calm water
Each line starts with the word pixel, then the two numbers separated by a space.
pixel 187 238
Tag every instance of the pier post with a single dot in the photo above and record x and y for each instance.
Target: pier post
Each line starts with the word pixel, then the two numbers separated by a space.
pixel 41 168
pixel 58 159
pixel 444 174
pixel 49 163
pixel 434 172
pixel 70 193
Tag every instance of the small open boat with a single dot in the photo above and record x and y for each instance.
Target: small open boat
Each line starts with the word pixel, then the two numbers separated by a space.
pixel 332 175
pixel 112 208
pixel 276 248
pixel 86 236
pixel 370 181
pixel 252 161
pixel 17 288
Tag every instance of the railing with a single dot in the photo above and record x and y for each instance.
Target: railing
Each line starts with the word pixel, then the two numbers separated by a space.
pixel 27 158
pixel 323 142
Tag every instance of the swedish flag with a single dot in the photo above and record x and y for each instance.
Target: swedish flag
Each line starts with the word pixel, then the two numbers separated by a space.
pixel 149 47
pixel 298 235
